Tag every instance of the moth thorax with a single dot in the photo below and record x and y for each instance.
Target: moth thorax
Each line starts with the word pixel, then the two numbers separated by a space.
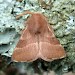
pixel 38 32
pixel 36 29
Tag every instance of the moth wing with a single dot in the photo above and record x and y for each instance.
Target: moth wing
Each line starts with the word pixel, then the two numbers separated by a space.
pixel 26 49
pixel 50 47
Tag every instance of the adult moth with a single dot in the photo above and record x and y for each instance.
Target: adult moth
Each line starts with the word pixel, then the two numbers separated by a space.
pixel 37 41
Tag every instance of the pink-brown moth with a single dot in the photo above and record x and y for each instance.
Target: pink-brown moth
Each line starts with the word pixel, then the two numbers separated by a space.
pixel 37 41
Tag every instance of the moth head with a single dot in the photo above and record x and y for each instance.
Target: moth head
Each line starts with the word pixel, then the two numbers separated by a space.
pixel 36 23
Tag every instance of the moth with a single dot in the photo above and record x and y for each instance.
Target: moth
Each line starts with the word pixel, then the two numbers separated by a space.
pixel 37 41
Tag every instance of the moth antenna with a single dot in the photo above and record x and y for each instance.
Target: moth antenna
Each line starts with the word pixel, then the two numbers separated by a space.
pixel 24 13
